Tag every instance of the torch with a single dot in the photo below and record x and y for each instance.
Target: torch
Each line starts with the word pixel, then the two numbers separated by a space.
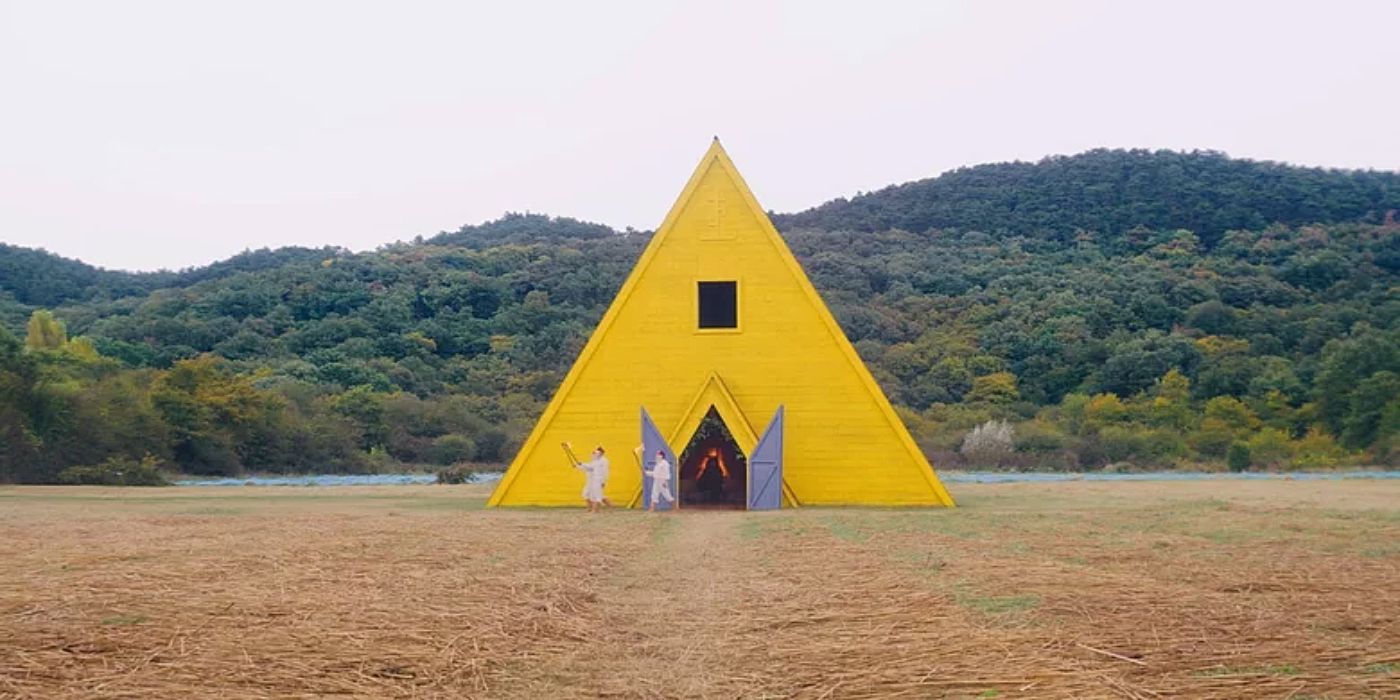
pixel 569 452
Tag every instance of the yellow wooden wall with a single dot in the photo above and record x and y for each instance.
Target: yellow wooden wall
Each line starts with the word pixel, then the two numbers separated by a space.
pixel 843 443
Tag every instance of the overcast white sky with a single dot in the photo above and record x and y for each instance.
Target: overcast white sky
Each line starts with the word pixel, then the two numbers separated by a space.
pixel 142 135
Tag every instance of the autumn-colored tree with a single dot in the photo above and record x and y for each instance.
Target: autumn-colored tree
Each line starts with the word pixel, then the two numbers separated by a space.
pixel 995 388
pixel 45 332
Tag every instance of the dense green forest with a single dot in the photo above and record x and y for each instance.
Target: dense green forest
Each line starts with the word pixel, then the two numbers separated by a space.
pixel 1125 308
pixel 1110 193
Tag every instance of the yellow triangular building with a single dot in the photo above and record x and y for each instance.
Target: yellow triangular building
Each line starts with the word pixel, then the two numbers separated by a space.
pixel 719 352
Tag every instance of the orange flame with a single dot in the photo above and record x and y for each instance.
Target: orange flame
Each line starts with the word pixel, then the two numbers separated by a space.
pixel 705 464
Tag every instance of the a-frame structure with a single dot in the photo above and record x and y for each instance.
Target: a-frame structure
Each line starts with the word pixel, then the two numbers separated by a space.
pixel 718 314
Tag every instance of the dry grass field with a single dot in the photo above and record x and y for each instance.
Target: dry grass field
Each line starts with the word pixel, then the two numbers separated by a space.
pixel 1133 590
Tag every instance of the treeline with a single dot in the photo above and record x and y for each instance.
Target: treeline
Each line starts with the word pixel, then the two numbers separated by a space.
pixel 1294 329
pixel 70 413
pixel 1110 192
pixel 1271 347
pixel 38 278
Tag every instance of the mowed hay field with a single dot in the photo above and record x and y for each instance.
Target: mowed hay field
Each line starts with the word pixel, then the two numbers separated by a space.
pixel 1135 590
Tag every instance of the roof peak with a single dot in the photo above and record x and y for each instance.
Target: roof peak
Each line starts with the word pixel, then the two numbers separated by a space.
pixel 715 147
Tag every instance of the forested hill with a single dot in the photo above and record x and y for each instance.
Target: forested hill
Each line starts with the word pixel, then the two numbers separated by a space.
pixel 39 278
pixel 1078 328
pixel 1111 192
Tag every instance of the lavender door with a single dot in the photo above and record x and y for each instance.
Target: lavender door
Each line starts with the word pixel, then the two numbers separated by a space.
pixel 766 467
pixel 651 443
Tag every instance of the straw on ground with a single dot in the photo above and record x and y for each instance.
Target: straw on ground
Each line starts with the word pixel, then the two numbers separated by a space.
pixel 1140 590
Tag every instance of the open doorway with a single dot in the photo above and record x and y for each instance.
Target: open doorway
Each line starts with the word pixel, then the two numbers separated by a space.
pixel 713 470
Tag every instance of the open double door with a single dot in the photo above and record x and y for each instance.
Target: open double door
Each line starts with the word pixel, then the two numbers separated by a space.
pixel 763 476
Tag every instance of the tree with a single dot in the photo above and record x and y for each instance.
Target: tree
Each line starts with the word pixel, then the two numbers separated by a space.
pixel 1073 412
pixel 1317 449
pixel 1369 402
pixel 1232 412
pixel 1211 317
pixel 10 346
pixel 45 332
pixel 1135 364
pixel 365 406
pixel 451 449
pixel 220 423
pixel 1212 438
pixel 1238 458
pixel 1174 387
pixel 1170 405
pixel 997 388
pixel 20 447
pixel 1387 445
pixel 1346 363
pixel 1103 409
pixel 1270 448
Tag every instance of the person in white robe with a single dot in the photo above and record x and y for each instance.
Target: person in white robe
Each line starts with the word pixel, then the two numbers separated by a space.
pixel 660 474
pixel 596 479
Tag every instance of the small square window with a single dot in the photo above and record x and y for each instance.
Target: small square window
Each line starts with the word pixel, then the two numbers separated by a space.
pixel 719 304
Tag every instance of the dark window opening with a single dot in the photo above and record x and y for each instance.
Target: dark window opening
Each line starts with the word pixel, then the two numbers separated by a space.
pixel 719 304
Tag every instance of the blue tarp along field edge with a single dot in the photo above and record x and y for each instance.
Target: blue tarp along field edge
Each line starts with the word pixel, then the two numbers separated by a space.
pixel 1042 477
